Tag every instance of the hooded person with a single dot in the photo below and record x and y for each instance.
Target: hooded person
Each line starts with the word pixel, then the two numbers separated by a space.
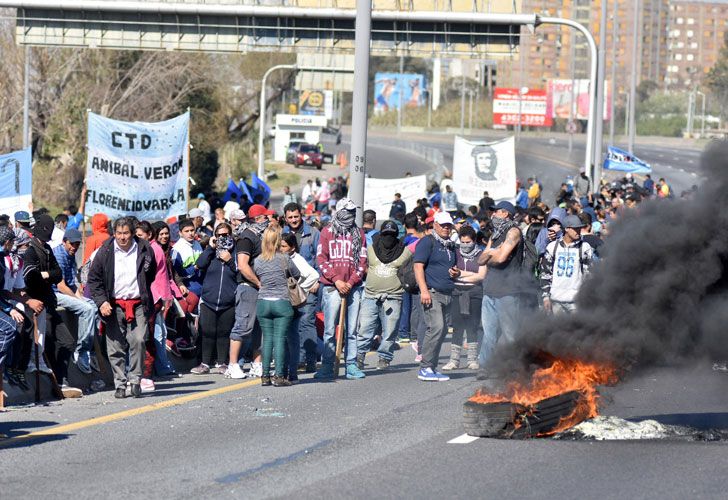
pixel 556 216
pixel 383 292
pixel 100 230
pixel 40 272
pixel 342 263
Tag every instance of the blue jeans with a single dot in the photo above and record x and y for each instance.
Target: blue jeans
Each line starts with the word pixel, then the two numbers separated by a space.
pixel 384 312
pixel 85 309
pixel 404 317
pixel 302 340
pixel 501 318
pixel 331 304
pixel 161 362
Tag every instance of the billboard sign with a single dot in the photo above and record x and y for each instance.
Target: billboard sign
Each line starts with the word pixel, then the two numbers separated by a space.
pixel 388 87
pixel 560 99
pixel 533 106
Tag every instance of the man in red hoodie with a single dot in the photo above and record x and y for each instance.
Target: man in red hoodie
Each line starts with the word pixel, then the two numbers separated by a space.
pixel 100 229
pixel 342 262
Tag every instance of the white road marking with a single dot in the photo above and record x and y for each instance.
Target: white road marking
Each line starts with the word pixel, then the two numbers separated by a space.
pixel 464 439
pixel 693 174
pixel 682 170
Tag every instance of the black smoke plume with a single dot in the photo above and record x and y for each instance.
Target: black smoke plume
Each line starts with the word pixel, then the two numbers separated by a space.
pixel 658 296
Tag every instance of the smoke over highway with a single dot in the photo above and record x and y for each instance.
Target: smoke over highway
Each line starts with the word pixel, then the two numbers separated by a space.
pixel 659 294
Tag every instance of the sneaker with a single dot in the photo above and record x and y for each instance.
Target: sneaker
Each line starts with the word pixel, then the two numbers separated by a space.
pixel 396 346
pixel 382 364
pixel 403 340
pixel 219 369
pixel 201 369
pixel 136 390
pixel 120 393
pixel 281 382
pixel 418 358
pixel 146 384
pixel 311 366
pixel 83 361
pixel 353 372
pixel 430 375
pixel 97 385
pixel 473 365
pixel 256 369
pixel 326 372
pixel 42 367
pixel 71 392
pixel 451 365
pixel 234 371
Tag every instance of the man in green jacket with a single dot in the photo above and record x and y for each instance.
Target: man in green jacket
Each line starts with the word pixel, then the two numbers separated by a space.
pixel 382 302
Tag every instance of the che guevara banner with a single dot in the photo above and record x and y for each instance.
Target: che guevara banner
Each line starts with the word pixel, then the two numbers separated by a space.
pixel 137 168
pixel 484 166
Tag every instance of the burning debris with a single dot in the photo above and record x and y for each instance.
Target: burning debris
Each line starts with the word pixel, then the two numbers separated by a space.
pixel 658 296
pixel 556 398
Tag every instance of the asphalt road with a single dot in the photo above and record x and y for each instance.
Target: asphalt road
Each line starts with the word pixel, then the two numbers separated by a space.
pixel 385 436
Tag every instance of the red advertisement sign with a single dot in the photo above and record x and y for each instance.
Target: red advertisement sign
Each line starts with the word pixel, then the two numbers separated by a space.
pixel 533 107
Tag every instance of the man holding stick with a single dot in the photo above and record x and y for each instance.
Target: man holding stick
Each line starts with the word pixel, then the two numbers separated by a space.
pixel 342 263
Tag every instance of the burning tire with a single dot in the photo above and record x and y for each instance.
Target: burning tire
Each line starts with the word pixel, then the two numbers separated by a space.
pixel 512 420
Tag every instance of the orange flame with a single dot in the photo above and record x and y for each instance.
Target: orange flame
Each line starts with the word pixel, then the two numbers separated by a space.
pixel 561 377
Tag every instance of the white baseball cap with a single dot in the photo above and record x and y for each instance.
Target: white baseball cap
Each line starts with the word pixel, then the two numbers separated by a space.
pixel 345 204
pixel 443 218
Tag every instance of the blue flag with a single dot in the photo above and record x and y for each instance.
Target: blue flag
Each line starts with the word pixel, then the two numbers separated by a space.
pixel 259 184
pixel 232 189
pixel 618 159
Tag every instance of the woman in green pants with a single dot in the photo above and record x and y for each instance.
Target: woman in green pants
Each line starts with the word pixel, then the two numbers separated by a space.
pixel 274 309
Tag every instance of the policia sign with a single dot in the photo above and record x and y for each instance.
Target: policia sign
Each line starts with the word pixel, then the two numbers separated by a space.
pixel 137 168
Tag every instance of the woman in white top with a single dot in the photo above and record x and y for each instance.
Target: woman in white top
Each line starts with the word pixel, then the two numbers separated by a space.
pixel 309 282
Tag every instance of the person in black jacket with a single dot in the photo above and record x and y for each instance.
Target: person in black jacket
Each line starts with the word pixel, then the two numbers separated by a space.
pixel 40 272
pixel 217 307
pixel 119 282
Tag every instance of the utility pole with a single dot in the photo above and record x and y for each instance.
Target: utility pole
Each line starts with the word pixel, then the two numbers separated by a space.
pixel 521 62
pixel 633 77
pixel 26 100
pixel 702 113
pixel 691 107
pixel 613 82
pixel 470 111
pixel 572 103
pixel 429 107
pixel 596 171
pixel 360 101
pixel 462 101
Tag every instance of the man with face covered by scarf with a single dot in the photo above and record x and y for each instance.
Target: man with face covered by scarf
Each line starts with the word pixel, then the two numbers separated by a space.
pixel 504 283
pixel 382 302
pixel 342 262
pixel 41 272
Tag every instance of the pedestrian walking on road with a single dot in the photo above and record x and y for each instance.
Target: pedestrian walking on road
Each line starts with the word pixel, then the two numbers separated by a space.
pixel 435 267
pixel 342 263
pixel 382 302
pixel 274 309
pixel 120 281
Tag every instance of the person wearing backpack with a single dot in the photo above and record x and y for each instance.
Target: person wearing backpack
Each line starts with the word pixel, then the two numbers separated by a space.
pixel 504 284
pixel 382 302
pixel 564 266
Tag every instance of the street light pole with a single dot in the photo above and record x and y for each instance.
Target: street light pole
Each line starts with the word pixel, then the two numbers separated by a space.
pixel 261 117
pixel 360 101
pixel 613 83
pixel 599 125
pixel 702 114
pixel 400 90
pixel 26 100
pixel 633 77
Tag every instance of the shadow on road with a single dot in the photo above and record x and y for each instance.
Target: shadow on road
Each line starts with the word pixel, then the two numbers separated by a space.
pixel 14 434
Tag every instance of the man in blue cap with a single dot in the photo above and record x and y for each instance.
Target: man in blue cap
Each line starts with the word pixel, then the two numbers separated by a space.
pixel 22 220
pixel 504 282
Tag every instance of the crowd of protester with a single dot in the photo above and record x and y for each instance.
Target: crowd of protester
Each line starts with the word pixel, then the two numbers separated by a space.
pixel 248 292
